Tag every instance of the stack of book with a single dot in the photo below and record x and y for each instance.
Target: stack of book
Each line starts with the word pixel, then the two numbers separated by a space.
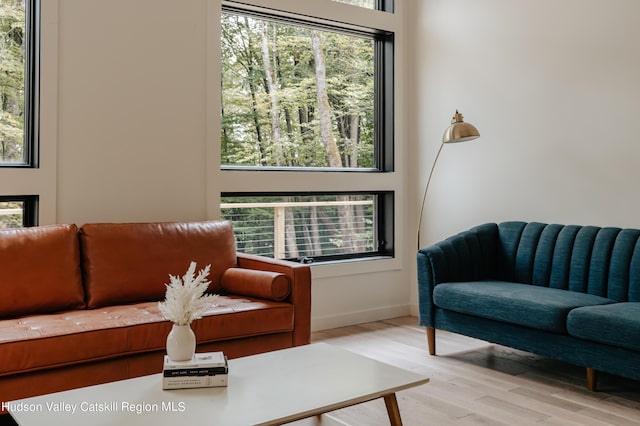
pixel 208 369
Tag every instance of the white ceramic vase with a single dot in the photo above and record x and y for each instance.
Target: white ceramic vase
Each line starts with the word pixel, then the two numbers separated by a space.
pixel 181 343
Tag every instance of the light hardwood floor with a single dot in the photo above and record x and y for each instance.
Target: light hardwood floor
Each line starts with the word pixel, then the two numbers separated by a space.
pixel 478 383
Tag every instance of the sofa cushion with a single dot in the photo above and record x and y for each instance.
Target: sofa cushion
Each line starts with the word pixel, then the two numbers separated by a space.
pixel 523 304
pixel 616 324
pixel 56 340
pixel 131 262
pixel 40 269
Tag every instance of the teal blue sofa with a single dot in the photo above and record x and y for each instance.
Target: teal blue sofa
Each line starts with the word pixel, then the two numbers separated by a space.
pixel 566 292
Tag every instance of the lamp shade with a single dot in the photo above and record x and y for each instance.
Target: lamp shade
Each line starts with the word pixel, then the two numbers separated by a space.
pixel 459 131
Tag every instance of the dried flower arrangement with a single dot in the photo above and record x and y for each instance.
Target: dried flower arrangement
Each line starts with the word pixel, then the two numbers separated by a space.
pixel 185 300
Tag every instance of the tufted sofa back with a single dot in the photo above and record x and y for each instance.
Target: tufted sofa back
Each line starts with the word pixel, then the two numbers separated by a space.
pixel 588 259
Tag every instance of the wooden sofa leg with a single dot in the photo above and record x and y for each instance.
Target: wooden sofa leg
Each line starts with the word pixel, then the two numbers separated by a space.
pixel 431 340
pixel 592 378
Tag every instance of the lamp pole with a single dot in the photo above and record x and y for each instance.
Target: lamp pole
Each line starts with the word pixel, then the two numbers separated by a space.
pixel 458 131
pixel 426 189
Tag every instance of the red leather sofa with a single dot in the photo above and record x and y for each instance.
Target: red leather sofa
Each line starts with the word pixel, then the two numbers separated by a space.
pixel 80 306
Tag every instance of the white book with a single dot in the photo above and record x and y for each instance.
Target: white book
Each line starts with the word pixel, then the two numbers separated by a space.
pixel 188 382
pixel 199 360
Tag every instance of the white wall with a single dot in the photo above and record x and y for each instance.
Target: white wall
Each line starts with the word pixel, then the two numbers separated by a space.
pixel 131 90
pixel 553 87
pixel 131 141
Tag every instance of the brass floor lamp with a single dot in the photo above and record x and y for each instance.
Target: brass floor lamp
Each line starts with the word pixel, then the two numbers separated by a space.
pixel 458 131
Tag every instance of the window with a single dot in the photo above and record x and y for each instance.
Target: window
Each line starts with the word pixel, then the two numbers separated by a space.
pixel 297 95
pixel 307 96
pixel 367 4
pixel 385 5
pixel 311 227
pixel 18 211
pixel 18 82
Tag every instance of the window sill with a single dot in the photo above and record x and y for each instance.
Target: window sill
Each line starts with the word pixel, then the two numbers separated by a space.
pixel 354 267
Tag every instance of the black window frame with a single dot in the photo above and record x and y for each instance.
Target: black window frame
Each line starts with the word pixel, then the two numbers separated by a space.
pixel 384 78
pixel 29 210
pixel 384 131
pixel 383 5
pixel 31 136
pixel 384 227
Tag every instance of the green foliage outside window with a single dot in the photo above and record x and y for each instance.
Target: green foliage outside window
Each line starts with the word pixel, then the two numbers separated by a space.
pixel 11 214
pixel 303 95
pixel 295 96
pixel 12 80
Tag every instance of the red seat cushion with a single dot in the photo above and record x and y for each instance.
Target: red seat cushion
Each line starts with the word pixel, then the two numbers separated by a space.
pixel 66 338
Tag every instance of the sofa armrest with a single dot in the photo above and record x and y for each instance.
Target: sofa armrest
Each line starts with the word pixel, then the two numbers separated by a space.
pixel 467 256
pixel 300 296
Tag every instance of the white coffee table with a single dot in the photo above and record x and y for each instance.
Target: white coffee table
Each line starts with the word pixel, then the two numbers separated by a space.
pixel 267 389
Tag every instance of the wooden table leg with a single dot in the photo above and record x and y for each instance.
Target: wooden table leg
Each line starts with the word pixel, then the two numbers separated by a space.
pixel 392 409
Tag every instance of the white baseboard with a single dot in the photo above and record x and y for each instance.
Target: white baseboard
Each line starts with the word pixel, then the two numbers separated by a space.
pixel 359 317
pixel 414 310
